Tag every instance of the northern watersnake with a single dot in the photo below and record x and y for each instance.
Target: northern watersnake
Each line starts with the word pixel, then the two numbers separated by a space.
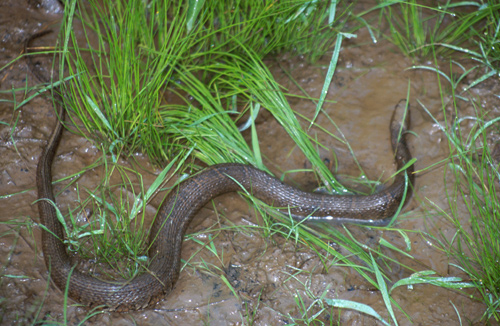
pixel 183 202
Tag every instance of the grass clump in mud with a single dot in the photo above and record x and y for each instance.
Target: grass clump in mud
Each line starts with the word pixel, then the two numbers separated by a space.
pixel 134 53
pixel 476 245
pixel 473 195
pixel 421 30
pixel 469 30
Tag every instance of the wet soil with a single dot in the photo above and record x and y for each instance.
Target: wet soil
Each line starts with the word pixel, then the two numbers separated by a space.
pixel 369 81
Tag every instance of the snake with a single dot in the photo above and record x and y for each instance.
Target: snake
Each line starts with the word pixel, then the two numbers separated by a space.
pixel 187 198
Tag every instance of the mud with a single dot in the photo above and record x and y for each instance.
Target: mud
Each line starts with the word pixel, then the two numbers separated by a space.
pixel 369 81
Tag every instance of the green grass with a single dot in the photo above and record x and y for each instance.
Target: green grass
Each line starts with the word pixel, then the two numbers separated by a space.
pixel 420 30
pixel 137 52
pixel 475 246
pixel 474 34
pixel 119 79
pixel 414 27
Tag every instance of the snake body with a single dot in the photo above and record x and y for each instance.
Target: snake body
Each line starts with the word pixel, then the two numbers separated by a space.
pixel 167 231
pixel 184 201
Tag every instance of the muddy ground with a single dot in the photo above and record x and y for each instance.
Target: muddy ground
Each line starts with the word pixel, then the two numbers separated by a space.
pixel 369 81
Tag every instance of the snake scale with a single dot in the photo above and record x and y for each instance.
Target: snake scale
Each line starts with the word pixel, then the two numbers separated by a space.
pixel 184 201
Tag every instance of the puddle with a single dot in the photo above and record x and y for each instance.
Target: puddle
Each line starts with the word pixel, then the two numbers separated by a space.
pixel 369 81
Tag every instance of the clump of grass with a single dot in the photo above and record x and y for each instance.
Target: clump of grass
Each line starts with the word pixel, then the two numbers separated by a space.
pixel 132 50
pixel 117 226
pixel 416 29
pixel 484 31
pixel 413 26
pixel 304 27
pixel 476 184
pixel 475 247
pixel 224 142
pixel 121 71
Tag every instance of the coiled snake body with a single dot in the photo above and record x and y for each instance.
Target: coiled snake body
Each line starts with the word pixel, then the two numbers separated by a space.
pixel 167 231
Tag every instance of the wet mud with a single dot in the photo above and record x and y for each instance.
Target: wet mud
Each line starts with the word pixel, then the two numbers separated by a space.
pixel 369 81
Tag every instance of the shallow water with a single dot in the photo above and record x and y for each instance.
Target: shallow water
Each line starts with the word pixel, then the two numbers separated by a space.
pixel 369 81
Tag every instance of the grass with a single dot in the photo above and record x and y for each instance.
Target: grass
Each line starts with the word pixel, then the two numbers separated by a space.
pixel 474 247
pixel 176 82
pixel 419 30
pixel 143 50
pixel 414 26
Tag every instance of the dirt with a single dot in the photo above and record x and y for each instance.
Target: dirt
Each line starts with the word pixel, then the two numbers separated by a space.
pixel 369 81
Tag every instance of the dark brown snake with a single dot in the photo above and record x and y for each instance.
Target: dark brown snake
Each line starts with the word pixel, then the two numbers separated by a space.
pixel 184 201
